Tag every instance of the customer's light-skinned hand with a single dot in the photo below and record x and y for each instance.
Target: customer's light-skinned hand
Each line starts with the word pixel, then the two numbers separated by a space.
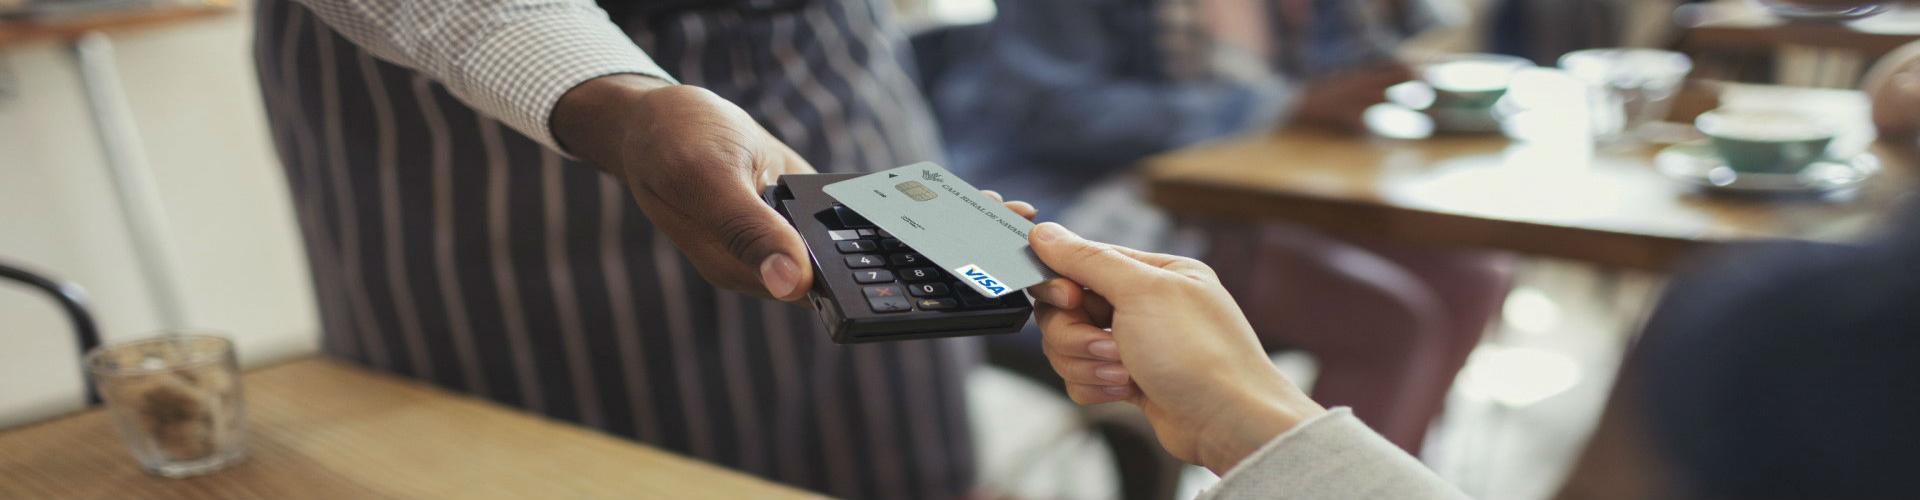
pixel 1160 332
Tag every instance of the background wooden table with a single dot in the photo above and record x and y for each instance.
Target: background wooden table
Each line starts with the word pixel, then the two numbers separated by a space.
pixel 15 32
pixel 322 429
pixel 1742 25
pixel 1743 41
pixel 1547 199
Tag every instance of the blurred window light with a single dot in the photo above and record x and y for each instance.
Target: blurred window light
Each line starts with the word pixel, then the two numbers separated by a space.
pixel 1517 376
pixel 1529 310
pixel 1546 105
pixel 918 15
pixel 962 11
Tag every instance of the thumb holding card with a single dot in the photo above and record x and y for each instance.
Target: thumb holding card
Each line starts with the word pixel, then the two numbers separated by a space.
pixel 1111 271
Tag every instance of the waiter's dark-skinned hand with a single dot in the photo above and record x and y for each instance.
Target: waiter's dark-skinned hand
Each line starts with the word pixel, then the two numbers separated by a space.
pixel 696 164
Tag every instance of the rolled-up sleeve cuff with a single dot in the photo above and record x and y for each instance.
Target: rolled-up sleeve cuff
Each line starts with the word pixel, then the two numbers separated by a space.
pixel 520 71
pixel 1331 456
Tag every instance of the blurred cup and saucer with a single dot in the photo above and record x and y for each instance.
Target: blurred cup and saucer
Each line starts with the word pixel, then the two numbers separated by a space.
pixel 1628 89
pixel 1455 93
pixel 1766 151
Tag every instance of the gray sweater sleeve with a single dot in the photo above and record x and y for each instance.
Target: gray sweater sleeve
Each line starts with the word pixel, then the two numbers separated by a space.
pixel 1332 456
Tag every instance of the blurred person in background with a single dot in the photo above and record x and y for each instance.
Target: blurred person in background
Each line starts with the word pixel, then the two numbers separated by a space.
pixel 1053 96
pixel 1893 85
pixel 1779 370
pixel 1049 95
pixel 1784 370
pixel 1771 370
pixel 442 158
pixel 1544 30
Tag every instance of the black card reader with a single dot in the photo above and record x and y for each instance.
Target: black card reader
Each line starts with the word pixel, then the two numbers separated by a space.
pixel 869 287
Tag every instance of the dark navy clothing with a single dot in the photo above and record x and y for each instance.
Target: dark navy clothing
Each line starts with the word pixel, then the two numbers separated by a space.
pixel 1791 370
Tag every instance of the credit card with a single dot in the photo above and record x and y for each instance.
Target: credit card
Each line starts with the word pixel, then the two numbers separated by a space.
pixel 928 208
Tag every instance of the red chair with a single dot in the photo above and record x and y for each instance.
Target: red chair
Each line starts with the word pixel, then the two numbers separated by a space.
pixel 1389 325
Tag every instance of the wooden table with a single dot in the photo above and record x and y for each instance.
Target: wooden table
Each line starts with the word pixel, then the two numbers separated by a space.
pixel 1741 40
pixel 324 429
pixel 66 28
pixel 1550 199
pixel 1740 25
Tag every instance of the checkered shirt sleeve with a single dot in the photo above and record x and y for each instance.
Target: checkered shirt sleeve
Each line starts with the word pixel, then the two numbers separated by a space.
pixel 509 59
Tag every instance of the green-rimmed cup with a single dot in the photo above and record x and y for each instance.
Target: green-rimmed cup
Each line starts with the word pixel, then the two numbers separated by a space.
pixel 1767 141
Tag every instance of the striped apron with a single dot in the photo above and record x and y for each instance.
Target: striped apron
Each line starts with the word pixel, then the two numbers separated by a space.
pixel 447 247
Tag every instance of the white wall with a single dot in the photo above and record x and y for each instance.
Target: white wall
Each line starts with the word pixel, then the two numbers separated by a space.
pixel 238 254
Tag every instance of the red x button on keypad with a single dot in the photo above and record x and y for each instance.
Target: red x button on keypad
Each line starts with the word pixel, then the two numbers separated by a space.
pixel 887 298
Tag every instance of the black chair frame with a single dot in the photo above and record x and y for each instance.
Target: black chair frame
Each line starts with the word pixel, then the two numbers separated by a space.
pixel 72 300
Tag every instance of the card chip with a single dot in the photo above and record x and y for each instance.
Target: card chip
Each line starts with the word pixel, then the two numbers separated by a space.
pixel 915 190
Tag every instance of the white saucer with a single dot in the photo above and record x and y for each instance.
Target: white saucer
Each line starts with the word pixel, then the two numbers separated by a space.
pixel 1417 96
pixel 1697 164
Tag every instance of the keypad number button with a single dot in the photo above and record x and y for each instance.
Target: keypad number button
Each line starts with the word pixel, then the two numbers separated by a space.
pixel 892 245
pixel 864 261
pixel 856 246
pixel 920 274
pixel 928 289
pixel 871 276
pixel 907 259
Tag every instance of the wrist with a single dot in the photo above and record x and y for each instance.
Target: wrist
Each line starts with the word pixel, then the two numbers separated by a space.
pixel 591 121
pixel 1250 422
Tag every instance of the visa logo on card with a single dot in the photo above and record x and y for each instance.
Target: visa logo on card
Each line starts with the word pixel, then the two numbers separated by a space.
pixel 981 280
pixel 950 223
